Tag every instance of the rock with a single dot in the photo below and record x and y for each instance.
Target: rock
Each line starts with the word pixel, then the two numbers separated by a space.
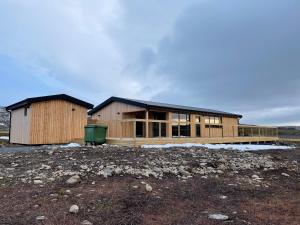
pixel 223 197
pixel 285 175
pixel 218 217
pixel 73 180
pixel 38 182
pixel 118 170
pixel 50 152
pixel 86 222
pixel 84 167
pixel 255 177
pixel 40 218
pixel 148 188
pixel 74 209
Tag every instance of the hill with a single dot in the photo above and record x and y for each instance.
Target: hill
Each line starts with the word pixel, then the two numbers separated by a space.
pixel 4 119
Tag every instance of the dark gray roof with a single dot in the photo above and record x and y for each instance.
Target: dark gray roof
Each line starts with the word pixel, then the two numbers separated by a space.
pixel 158 105
pixel 65 97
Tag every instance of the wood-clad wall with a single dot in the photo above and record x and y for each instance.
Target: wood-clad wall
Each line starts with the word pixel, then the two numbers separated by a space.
pixel 20 126
pixel 230 127
pixel 57 121
pixel 112 114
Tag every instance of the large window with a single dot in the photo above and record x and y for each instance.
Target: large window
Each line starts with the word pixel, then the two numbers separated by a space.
pixel 198 130
pixel 181 125
pixel 213 120
pixel 197 125
pixel 158 129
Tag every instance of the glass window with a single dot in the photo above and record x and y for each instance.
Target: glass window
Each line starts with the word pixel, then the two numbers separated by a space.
pixel 207 120
pixel 163 130
pixel 180 125
pixel 155 129
pixel 158 115
pixel 183 117
pixel 175 116
pixel 197 119
pixel 184 130
pixel 175 130
pixel 217 120
pixel 211 120
pixel 198 130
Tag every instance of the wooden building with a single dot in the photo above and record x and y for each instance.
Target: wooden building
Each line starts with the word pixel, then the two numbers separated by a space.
pixel 136 122
pixel 51 119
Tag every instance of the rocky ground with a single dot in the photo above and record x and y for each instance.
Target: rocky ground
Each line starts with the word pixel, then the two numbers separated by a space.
pixel 120 185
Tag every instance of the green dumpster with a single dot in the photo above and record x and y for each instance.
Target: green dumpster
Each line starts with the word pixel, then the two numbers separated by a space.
pixel 95 134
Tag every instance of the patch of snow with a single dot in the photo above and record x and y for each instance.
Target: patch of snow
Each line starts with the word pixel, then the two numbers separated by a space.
pixel 2 124
pixel 71 145
pixel 240 147
pixel 4 138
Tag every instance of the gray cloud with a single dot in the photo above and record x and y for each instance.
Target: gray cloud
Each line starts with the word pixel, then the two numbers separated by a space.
pixel 235 55
pixel 239 56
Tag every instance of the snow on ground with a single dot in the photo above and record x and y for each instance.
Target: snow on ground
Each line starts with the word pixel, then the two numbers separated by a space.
pixel 71 145
pixel 240 147
pixel 4 137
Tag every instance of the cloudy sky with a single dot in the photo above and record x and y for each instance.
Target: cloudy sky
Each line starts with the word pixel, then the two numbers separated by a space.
pixel 233 55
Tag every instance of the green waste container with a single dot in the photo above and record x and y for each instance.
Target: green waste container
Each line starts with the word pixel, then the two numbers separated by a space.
pixel 95 134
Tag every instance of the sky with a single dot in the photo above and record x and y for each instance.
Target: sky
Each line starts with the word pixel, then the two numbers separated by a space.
pixel 236 56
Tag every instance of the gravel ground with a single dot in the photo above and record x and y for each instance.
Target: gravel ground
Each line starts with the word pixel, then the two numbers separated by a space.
pixel 121 185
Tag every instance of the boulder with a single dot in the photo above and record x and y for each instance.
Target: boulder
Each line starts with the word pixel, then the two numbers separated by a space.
pixel 73 180
pixel 74 209
pixel 218 217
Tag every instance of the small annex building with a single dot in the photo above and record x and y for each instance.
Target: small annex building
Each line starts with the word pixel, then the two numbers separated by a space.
pixel 54 119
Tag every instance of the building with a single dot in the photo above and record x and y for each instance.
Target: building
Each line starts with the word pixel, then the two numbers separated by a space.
pixel 136 122
pixel 51 119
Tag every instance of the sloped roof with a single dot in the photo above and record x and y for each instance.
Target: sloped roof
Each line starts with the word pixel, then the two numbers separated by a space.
pixel 65 97
pixel 158 105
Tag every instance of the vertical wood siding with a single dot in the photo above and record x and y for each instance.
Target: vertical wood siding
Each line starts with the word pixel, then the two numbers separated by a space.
pixel 230 127
pixel 112 114
pixel 57 121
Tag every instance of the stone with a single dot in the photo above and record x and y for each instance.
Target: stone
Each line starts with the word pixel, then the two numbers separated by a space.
pixel 223 197
pixel 84 167
pixel 218 217
pixel 118 170
pixel 73 180
pixel 256 177
pixel 285 175
pixel 39 218
pixel 38 182
pixel 86 222
pixel 74 209
pixel 148 188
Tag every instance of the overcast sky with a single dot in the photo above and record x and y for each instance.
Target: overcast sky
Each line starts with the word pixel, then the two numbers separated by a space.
pixel 237 56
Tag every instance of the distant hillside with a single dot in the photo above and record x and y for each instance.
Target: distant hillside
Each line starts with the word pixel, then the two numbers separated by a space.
pixel 289 132
pixel 4 119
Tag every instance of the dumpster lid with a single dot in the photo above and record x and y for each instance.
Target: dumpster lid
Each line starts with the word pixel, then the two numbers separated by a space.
pixel 96 125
